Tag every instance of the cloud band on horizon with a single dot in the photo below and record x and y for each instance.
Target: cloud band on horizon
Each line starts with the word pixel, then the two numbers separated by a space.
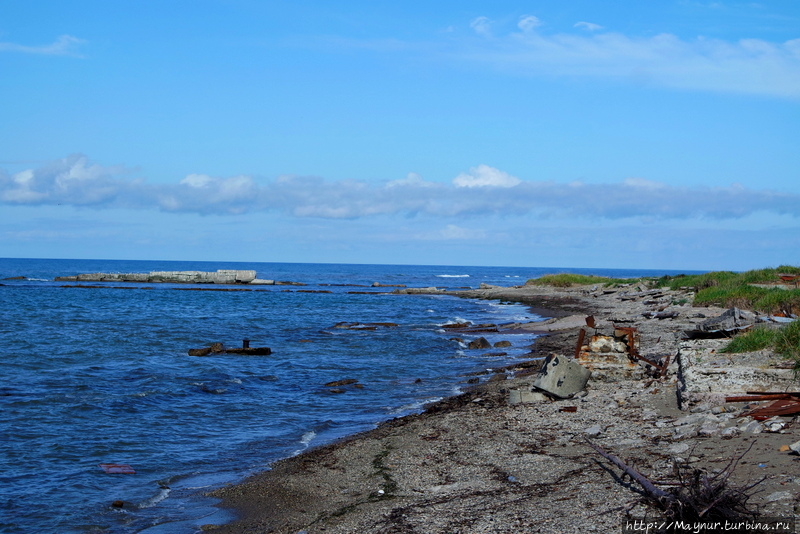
pixel 483 190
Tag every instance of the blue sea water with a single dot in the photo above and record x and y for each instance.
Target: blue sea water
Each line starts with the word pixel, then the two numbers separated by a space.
pixel 101 375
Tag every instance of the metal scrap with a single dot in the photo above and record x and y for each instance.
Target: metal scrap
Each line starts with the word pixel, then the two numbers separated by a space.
pixel 783 403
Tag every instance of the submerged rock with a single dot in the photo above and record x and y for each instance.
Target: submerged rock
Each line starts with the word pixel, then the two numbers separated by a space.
pixel 480 343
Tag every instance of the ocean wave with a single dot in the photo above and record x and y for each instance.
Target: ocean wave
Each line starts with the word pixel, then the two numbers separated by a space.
pixel 308 437
pixel 414 406
pixel 452 276
pixel 162 494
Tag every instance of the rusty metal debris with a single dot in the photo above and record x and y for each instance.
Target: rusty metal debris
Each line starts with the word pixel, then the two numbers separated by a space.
pixel 581 337
pixel 632 334
pixel 118 469
pixel 783 403
pixel 753 396
pixel 778 407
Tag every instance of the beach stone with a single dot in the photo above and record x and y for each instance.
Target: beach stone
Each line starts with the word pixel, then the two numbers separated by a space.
pixel 649 415
pixel 678 448
pixel 753 427
pixel 779 496
pixel 480 343
pixel 708 429
pixel 684 432
pixel 593 431
pixel 795 447
pixel 502 344
pixel 561 377
pixel 730 432
pixel 774 424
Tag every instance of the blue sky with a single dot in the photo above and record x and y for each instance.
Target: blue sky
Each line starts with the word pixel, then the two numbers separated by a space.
pixel 557 134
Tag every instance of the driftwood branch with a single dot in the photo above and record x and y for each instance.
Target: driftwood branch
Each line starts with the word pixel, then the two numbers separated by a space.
pixel 650 489
pixel 697 495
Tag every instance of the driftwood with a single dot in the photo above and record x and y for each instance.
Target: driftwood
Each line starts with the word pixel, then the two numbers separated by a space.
pixel 696 495
pixel 647 485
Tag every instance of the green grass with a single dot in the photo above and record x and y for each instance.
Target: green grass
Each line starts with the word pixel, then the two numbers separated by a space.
pixel 756 339
pixel 727 289
pixel 718 288
pixel 788 342
pixel 569 280
pixel 784 341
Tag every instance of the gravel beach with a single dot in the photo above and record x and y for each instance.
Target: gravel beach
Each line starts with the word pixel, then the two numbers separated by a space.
pixel 478 463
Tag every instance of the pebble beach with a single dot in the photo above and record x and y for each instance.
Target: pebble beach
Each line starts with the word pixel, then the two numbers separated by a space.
pixel 480 463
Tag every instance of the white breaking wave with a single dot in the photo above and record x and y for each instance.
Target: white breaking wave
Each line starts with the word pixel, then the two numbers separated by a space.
pixel 305 441
pixel 452 276
pixel 308 437
pixel 155 499
pixel 414 406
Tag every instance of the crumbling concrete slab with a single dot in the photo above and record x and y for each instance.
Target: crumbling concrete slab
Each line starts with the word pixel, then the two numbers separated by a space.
pixel 707 376
pixel 561 376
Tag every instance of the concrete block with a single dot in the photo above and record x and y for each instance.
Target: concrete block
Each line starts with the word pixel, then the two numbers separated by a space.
pixel 521 396
pixel 562 377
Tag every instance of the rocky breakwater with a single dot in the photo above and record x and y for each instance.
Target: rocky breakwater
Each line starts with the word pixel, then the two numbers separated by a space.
pixel 221 276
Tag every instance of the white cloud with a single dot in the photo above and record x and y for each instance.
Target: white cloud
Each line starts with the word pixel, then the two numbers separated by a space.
pixel 65 45
pixel 589 26
pixel 481 26
pixel 528 23
pixel 485 176
pixel 751 66
pixel 482 191
pixel 412 179
pixel 72 180
pixel 643 183
pixel 451 232
pixel 197 180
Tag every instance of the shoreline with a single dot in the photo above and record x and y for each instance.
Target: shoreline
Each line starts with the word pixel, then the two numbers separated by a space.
pixel 477 463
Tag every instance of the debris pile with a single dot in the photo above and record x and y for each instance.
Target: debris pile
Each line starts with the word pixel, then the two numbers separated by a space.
pixel 219 348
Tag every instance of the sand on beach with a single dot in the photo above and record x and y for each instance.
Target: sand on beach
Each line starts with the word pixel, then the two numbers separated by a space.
pixel 475 463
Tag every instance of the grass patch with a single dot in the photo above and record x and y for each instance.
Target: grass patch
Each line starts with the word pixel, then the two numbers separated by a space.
pixel 788 342
pixel 570 279
pixel 756 339
pixel 728 289
pixel 718 288
pixel 784 341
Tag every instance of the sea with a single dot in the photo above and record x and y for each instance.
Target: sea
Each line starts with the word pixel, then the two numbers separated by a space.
pixel 97 374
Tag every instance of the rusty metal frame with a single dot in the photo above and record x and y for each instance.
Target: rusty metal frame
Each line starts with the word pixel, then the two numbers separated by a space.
pixel 581 337
pixel 633 353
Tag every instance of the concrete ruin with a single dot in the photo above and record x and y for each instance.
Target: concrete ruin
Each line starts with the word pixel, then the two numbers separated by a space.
pixel 221 276
pixel 708 376
pixel 609 354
